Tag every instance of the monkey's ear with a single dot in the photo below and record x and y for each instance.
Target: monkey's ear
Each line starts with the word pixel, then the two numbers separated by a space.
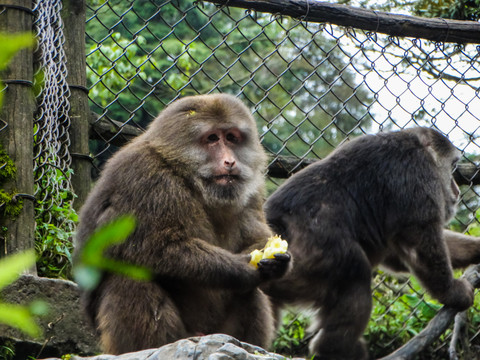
pixel 425 137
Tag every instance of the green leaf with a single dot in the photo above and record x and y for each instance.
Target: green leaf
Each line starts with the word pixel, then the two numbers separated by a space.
pixel 87 274
pixel 87 277
pixel 113 233
pixel 133 271
pixel 12 265
pixel 11 44
pixel 38 308
pixel 19 317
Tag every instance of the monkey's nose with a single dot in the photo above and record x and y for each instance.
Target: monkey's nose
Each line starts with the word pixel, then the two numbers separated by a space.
pixel 229 164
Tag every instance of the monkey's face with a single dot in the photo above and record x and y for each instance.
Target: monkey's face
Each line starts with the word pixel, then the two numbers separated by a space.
pixel 221 169
pixel 226 163
pixel 446 157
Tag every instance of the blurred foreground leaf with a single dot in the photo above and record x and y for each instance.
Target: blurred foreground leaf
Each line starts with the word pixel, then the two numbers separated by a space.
pixel 13 315
pixel 11 44
pixel 93 261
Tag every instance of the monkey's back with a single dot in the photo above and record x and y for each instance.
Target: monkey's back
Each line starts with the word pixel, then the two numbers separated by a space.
pixel 360 193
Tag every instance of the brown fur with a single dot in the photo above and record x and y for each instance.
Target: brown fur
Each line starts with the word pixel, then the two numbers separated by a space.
pixel 377 200
pixel 193 232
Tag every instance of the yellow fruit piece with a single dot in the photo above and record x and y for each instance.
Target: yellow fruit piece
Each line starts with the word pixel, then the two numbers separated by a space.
pixel 272 239
pixel 275 245
pixel 256 256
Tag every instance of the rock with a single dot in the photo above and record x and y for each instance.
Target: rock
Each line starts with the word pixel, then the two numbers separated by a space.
pixel 210 347
pixel 65 328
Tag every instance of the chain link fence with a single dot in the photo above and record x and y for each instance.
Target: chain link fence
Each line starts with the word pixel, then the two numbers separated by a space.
pixel 55 222
pixel 311 86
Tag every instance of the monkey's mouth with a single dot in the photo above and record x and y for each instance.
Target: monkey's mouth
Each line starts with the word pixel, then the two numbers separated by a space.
pixel 225 179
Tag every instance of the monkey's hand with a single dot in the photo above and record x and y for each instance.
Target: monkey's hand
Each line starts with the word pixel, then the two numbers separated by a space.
pixel 460 295
pixel 275 245
pixel 274 268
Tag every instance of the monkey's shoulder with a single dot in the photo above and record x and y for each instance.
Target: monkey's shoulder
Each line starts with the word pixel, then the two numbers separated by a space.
pixel 137 180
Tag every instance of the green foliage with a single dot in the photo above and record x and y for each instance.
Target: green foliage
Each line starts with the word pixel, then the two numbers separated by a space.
pixel 8 171
pixel 474 316
pixel 93 261
pixel 397 317
pixel 115 66
pixel 474 228
pixel 12 208
pixel 10 44
pixel 449 9
pixel 7 350
pixel 55 229
pixel 290 338
pixel 14 315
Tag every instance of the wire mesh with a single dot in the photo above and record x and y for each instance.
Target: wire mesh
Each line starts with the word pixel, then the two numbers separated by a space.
pixel 52 161
pixel 3 126
pixel 310 86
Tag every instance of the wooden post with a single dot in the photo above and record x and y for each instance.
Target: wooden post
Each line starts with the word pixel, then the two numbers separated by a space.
pixel 73 16
pixel 17 138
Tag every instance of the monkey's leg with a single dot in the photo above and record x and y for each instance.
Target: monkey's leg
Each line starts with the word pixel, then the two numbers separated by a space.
pixel 251 319
pixel 342 325
pixel 135 315
pixel 345 309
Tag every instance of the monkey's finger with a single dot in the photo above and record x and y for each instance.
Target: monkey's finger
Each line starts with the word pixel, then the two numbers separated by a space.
pixel 282 257
pixel 279 259
pixel 272 268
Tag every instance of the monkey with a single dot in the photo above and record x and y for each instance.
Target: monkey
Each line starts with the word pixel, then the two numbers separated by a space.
pixel 194 181
pixel 378 200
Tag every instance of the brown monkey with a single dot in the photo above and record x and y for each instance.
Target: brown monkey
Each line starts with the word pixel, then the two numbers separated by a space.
pixel 194 181
pixel 377 200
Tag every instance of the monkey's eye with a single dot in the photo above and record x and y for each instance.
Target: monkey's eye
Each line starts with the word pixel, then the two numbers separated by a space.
pixel 212 138
pixel 232 138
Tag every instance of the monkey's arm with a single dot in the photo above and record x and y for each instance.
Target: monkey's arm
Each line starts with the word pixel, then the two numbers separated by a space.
pixel 464 250
pixel 202 263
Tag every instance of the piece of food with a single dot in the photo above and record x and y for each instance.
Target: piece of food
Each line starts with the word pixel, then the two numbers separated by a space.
pixel 256 255
pixel 275 245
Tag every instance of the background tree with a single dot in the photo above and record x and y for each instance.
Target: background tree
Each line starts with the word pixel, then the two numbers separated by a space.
pixel 447 9
pixel 305 97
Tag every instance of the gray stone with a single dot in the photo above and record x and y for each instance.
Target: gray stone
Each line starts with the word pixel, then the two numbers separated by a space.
pixel 210 347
